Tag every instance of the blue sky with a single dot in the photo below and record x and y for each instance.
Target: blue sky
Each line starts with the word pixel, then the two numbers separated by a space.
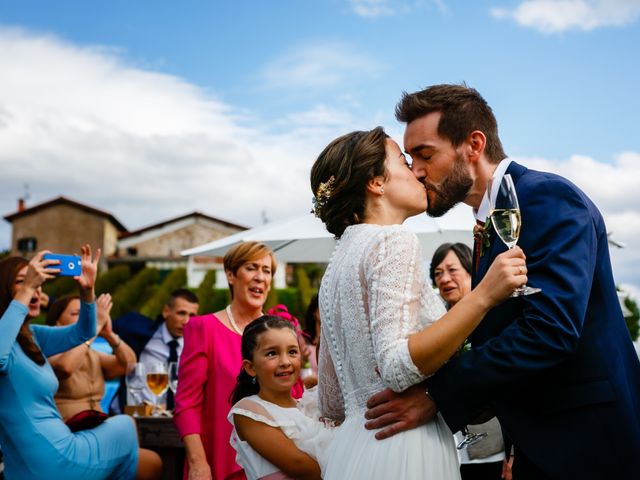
pixel 151 109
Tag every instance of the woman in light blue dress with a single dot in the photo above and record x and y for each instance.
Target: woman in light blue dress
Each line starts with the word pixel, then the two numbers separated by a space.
pixel 35 441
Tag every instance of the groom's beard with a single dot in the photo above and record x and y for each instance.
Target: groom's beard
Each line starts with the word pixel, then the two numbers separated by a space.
pixel 451 191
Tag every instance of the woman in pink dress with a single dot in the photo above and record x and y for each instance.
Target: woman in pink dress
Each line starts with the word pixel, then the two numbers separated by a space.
pixel 211 360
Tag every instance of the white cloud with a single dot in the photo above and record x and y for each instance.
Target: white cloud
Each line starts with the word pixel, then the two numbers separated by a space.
pixel 388 8
pixel 372 8
pixel 614 189
pixel 142 145
pixel 322 65
pixel 554 16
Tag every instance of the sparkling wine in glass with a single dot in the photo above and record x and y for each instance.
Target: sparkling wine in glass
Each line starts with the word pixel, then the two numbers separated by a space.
pixel 135 381
pixel 506 220
pixel 157 382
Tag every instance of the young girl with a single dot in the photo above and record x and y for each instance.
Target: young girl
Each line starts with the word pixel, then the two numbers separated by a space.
pixel 273 436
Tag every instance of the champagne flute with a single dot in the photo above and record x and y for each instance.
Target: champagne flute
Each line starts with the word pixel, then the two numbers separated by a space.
pixel 173 377
pixel 505 217
pixel 135 381
pixel 157 381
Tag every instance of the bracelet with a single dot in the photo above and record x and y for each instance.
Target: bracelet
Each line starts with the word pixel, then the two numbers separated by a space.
pixel 87 343
pixel 115 347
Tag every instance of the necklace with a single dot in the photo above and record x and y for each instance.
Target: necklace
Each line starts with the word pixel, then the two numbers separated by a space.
pixel 231 320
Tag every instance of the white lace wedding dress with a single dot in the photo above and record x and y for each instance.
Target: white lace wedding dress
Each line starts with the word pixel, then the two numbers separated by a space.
pixel 373 296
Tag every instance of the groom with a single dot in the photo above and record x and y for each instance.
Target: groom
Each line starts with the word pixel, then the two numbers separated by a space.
pixel 558 367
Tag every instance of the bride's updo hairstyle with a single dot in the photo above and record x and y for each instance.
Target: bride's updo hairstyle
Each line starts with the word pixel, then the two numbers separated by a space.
pixel 340 174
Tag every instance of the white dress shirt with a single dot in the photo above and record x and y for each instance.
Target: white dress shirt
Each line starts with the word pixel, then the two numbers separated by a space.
pixel 157 350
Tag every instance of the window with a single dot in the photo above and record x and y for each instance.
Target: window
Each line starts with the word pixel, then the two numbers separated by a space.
pixel 28 244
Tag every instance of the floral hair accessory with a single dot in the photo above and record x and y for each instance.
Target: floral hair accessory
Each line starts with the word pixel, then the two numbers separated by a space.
pixel 282 311
pixel 323 194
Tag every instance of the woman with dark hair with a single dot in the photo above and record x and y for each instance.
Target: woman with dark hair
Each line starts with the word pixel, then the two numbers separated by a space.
pixel 274 434
pixel 35 441
pixel 81 370
pixel 450 271
pixel 382 323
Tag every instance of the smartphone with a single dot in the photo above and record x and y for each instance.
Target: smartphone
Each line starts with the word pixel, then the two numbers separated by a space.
pixel 70 265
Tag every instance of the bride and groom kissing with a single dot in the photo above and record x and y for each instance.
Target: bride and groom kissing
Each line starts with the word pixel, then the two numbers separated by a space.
pixel 557 368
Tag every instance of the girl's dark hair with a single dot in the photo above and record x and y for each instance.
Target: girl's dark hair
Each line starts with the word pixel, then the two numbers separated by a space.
pixel 9 268
pixel 245 385
pixel 310 320
pixel 57 308
pixel 340 174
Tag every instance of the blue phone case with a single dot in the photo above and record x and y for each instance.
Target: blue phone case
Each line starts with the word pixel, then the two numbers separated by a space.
pixel 70 265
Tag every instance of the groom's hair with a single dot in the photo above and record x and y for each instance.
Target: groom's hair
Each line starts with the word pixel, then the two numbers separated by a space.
pixel 463 111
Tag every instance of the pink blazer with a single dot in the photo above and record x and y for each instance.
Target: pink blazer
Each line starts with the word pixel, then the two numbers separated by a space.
pixel 209 364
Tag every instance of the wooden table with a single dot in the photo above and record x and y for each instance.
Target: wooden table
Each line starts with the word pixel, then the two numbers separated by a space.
pixel 160 435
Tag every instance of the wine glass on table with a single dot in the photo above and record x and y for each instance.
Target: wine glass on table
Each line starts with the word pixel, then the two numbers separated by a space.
pixel 136 380
pixel 506 220
pixel 157 382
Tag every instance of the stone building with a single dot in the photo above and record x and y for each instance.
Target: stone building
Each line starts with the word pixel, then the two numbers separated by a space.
pixel 63 225
pixel 159 245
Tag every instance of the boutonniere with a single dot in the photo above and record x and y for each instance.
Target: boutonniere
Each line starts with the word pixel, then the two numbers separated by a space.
pixel 482 234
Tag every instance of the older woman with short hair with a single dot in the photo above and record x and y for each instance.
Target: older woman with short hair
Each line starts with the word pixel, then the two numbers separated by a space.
pixel 211 360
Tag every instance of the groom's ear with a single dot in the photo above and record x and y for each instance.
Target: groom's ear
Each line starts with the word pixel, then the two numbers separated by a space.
pixel 375 185
pixel 475 145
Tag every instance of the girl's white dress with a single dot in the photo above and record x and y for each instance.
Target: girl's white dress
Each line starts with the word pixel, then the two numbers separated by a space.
pixel 373 295
pixel 301 424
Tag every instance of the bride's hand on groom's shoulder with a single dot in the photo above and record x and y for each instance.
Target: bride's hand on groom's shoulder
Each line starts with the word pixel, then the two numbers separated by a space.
pixel 397 412
pixel 507 272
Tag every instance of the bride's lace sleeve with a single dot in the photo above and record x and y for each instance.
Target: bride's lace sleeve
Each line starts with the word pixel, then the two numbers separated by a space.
pixel 330 397
pixel 393 275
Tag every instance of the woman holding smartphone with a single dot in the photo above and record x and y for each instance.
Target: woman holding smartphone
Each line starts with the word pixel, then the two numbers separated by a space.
pixel 35 441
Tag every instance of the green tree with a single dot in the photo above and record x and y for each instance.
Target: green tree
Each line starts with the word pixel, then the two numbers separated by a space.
pixel 59 287
pixel 305 290
pixel 205 292
pixel 633 320
pixel 131 295
pixel 175 279
pixel 110 280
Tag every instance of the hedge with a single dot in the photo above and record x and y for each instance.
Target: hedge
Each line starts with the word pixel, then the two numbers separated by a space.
pixel 175 279
pixel 131 295
pixel 109 281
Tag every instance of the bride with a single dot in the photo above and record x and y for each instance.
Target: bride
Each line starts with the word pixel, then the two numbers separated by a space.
pixel 382 323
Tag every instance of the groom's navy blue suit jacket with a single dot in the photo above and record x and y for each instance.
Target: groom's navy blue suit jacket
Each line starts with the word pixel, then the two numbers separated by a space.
pixel 558 367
